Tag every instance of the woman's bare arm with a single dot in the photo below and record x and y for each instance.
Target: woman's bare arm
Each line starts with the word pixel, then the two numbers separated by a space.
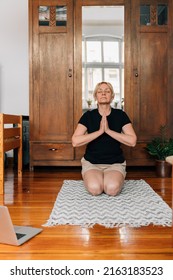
pixel 81 137
pixel 127 137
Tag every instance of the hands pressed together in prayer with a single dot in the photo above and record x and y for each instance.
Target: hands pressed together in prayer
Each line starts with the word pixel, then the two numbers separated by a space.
pixel 104 127
pixel 127 136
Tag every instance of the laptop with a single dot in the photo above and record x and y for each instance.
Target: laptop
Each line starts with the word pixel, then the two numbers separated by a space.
pixel 14 235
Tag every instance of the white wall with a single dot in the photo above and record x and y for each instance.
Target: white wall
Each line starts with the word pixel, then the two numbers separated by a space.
pixel 103 20
pixel 14 59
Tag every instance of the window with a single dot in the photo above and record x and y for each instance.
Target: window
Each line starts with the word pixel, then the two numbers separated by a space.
pixel 154 14
pixel 52 15
pixel 162 13
pixel 102 60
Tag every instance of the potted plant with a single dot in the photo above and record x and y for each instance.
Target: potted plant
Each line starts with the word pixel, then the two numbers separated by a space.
pixel 161 147
pixel 89 102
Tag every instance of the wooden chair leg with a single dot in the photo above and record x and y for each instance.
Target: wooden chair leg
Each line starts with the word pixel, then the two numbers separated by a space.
pixel 1 156
pixel 1 172
pixel 20 163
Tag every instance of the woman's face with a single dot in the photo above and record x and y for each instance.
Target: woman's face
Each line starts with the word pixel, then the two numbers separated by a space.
pixel 104 94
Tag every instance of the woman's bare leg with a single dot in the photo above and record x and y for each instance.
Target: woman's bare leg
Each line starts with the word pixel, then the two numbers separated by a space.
pixel 113 182
pixel 93 181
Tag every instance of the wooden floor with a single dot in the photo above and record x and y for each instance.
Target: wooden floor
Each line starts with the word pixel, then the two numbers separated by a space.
pixel 31 199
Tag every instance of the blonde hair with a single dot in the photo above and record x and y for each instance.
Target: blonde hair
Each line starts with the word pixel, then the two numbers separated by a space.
pixel 109 86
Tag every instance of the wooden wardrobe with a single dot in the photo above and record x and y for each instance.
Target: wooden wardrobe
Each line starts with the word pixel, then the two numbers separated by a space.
pixel 56 77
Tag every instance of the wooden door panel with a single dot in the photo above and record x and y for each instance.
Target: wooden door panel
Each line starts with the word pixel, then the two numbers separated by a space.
pixel 55 97
pixel 153 81
pixel 51 96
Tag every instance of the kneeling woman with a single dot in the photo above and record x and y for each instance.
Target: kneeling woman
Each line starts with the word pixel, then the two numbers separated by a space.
pixel 103 130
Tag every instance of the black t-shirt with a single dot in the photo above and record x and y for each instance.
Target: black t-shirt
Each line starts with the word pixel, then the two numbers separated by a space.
pixel 104 149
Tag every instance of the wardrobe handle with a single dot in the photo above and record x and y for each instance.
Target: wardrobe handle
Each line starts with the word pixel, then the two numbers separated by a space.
pixel 52 149
pixel 70 72
pixel 136 74
pixel 135 71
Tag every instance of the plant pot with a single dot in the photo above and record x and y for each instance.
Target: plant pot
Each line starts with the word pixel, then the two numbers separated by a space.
pixel 163 169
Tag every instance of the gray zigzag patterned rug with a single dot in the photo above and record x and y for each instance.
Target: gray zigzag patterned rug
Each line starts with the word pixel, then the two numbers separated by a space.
pixel 137 205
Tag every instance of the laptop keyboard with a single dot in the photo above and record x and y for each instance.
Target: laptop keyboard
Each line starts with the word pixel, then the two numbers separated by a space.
pixel 20 235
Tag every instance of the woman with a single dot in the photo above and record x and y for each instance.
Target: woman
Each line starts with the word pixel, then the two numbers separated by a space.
pixel 103 130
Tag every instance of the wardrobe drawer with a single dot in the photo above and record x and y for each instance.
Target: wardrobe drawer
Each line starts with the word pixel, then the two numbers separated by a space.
pixel 52 151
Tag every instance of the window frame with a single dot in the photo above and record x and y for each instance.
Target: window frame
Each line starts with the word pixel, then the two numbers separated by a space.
pixel 102 65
